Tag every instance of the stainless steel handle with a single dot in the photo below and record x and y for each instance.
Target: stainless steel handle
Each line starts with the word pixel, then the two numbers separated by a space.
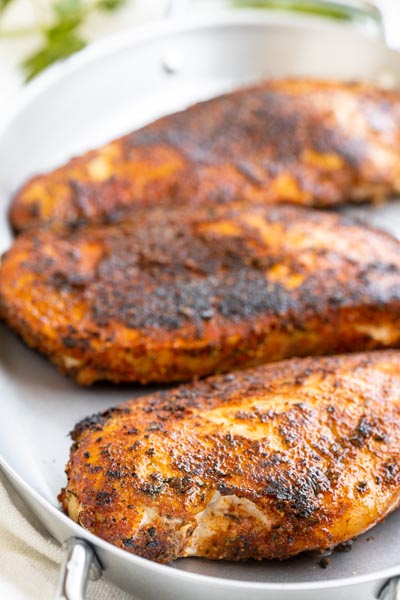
pixel 391 590
pixel 366 10
pixel 362 6
pixel 80 564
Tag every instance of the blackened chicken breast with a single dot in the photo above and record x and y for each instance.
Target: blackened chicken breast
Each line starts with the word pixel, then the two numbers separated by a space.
pixel 265 463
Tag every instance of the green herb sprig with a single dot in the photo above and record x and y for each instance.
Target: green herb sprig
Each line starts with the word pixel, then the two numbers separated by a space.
pixel 62 35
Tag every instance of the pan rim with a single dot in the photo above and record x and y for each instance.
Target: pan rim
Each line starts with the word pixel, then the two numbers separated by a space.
pixel 163 27
pixel 102 48
pixel 160 569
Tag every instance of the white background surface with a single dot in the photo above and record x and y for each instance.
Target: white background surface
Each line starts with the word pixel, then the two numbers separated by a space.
pixel 13 51
pixel 135 12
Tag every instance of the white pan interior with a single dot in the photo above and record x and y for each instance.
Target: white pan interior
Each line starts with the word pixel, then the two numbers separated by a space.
pixel 111 88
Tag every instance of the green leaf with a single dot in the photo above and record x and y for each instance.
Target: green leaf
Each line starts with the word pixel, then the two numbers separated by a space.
pixel 68 8
pixel 60 43
pixel 62 37
pixel 60 40
pixel 4 4
pixel 110 5
pixel 63 28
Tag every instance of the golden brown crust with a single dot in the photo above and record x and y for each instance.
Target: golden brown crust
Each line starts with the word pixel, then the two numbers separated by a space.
pixel 266 463
pixel 302 141
pixel 171 295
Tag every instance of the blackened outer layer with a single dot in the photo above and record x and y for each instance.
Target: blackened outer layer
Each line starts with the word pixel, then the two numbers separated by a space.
pixel 308 142
pixel 171 295
pixel 265 463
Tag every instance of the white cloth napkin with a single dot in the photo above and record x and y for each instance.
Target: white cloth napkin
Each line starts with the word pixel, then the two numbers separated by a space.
pixel 30 558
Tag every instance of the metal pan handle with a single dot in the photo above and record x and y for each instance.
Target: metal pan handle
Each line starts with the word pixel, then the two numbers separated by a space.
pixel 391 590
pixel 80 564
pixel 357 8
pixel 354 9
pixel 367 11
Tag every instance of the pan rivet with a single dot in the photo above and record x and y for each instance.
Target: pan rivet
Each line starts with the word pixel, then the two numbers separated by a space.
pixel 172 62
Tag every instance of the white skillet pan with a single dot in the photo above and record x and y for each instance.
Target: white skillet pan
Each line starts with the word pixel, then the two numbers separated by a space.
pixel 108 89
